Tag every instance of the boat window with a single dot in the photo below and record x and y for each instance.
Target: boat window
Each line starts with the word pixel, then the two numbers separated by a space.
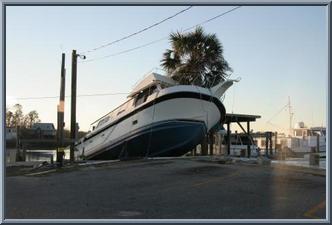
pixel 103 121
pixel 152 90
pixel 163 85
pixel 141 97
pixel 120 112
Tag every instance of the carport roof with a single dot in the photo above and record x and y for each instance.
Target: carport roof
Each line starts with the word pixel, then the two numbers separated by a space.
pixel 233 118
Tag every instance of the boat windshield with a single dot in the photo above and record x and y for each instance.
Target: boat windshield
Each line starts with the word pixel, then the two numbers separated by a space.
pixel 144 94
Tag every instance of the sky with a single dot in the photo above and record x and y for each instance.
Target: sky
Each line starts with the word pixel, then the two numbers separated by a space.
pixel 278 51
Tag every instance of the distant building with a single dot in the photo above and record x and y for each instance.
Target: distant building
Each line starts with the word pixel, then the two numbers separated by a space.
pixel 44 129
pixel 301 140
pixel 304 138
pixel 11 133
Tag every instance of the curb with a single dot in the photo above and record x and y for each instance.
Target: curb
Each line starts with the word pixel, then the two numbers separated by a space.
pixel 41 173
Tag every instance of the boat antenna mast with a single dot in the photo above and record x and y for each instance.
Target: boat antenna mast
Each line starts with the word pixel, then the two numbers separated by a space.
pixel 291 114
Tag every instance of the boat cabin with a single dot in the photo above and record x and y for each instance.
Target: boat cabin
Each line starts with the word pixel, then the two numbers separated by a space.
pixel 144 90
pixel 148 86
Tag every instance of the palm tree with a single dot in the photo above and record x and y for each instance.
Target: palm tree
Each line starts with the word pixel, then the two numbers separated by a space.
pixel 195 58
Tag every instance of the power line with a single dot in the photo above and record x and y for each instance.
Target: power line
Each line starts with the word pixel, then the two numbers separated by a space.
pixel 125 51
pixel 138 32
pixel 67 96
pixel 158 40
pixel 213 18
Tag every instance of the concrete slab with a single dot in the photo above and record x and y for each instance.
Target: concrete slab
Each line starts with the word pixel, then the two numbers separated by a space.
pixel 167 189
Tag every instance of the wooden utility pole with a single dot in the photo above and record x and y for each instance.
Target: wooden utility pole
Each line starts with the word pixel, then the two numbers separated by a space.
pixel 204 145
pixel 61 107
pixel 73 104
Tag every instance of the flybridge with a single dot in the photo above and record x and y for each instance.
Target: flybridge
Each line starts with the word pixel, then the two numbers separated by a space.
pixel 150 80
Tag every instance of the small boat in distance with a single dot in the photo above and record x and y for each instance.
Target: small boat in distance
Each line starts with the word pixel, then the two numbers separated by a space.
pixel 160 118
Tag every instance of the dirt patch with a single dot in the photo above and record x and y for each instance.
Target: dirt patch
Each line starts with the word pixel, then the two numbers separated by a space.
pixel 202 170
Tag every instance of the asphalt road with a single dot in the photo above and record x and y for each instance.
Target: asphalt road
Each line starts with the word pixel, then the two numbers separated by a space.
pixel 167 189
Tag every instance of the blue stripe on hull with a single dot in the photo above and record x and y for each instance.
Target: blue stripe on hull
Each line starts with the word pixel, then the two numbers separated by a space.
pixel 171 138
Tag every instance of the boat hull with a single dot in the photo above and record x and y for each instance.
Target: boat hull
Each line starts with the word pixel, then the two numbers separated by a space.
pixel 171 124
pixel 167 138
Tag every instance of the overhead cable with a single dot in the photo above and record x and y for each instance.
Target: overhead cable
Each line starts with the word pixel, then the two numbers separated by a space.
pixel 158 40
pixel 137 32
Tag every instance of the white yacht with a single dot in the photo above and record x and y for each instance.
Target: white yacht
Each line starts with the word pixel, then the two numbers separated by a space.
pixel 160 118
pixel 303 138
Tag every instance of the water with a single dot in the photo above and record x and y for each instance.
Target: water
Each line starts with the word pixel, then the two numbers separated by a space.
pixel 40 155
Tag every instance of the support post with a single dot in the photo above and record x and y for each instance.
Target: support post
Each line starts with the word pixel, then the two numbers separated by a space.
pixel 193 153
pixel 228 139
pixel 211 141
pixel 275 142
pixel 73 104
pixel 204 145
pixel 317 148
pixel 248 135
pixel 270 137
pixel 266 144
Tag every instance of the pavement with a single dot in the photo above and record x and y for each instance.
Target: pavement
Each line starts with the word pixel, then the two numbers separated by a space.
pixel 167 189
pixel 301 162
